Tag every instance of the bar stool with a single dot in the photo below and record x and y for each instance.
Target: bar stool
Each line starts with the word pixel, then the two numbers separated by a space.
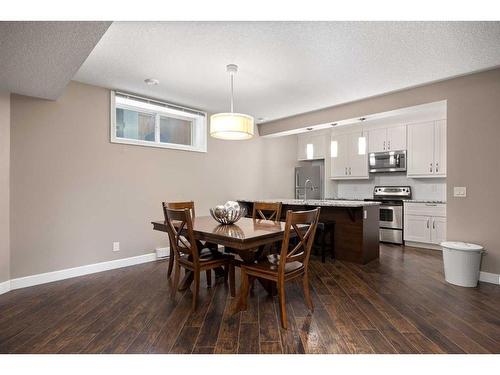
pixel 324 229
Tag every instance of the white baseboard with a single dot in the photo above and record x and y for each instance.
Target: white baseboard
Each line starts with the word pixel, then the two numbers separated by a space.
pixel 42 278
pixel 4 287
pixel 488 277
pixel 423 245
pixel 162 252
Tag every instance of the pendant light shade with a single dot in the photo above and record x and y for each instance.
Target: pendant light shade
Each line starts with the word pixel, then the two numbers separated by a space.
pixel 230 125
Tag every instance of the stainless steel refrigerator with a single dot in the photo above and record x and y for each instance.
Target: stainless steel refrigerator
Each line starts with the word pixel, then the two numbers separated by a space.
pixel 314 173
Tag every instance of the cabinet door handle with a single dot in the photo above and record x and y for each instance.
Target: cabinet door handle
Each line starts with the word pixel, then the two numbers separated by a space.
pixel 349 171
pixel 437 167
pixel 430 168
pixel 433 224
pixel 428 223
pixel 384 145
pixel 389 145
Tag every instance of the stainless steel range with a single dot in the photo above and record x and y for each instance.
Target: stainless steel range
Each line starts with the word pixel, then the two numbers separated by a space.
pixel 391 211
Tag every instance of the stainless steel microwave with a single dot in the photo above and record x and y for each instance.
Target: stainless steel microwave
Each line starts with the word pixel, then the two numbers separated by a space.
pixel 388 161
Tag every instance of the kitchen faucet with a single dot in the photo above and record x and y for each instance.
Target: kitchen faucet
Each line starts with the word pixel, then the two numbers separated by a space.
pixel 305 188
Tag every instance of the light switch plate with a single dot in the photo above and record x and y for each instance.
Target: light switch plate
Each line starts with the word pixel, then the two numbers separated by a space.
pixel 459 191
pixel 116 246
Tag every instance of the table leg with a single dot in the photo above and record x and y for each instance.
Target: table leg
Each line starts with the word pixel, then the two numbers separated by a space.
pixel 250 257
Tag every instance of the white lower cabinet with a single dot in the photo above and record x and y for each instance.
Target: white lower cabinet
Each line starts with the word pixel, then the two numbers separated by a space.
pixel 438 232
pixel 425 222
pixel 416 228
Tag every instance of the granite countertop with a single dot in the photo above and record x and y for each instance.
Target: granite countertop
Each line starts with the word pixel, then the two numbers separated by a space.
pixel 405 200
pixel 316 202
pixel 423 201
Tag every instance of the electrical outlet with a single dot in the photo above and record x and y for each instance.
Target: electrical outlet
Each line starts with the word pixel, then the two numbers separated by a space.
pixel 116 246
pixel 459 191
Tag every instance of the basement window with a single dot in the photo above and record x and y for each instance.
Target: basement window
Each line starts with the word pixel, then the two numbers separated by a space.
pixel 146 122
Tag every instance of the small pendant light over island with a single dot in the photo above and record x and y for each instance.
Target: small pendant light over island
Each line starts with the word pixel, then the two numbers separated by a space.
pixel 231 126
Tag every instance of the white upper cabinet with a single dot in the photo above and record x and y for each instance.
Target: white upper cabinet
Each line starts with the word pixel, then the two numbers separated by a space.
pixel 427 149
pixel 339 150
pixel 396 138
pixel 440 148
pixel 420 149
pixel 387 139
pixel 349 156
pixel 311 146
pixel 378 139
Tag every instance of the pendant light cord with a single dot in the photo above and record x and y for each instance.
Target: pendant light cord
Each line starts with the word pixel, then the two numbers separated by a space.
pixel 231 74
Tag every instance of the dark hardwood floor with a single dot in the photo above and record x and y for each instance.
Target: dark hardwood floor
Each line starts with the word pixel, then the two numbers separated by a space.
pixel 399 304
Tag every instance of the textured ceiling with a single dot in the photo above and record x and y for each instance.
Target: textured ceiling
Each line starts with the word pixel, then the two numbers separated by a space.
pixel 40 58
pixel 286 67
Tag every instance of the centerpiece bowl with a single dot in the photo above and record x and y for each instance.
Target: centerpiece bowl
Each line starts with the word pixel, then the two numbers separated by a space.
pixel 228 213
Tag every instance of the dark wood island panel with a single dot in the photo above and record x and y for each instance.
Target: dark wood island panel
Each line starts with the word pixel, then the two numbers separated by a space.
pixel 356 228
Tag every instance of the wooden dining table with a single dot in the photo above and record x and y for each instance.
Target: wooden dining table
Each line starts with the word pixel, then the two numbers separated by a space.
pixel 246 238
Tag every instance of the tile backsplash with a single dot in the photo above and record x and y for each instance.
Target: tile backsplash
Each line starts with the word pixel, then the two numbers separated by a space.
pixel 422 188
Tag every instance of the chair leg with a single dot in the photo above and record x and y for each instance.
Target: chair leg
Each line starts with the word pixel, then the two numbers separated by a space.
pixel 281 296
pixel 170 263
pixel 196 288
pixel 243 290
pixel 177 275
pixel 232 283
pixel 307 292
pixel 209 278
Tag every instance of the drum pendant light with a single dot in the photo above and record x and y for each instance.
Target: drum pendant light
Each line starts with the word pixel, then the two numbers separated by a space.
pixel 231 126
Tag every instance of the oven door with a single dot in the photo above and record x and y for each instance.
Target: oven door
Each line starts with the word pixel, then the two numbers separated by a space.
pixel 391 236
pixel 391 216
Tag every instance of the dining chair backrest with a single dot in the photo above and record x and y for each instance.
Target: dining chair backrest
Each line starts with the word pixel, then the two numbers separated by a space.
pixel 267 211
pixel 178 221
pixel 182 205
pixel 303 225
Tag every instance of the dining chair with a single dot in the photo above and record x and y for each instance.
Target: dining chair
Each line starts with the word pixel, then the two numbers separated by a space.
pixel 188 255
pixel 291 263
pixel 211 246
pixel 178 206
pixel 267 211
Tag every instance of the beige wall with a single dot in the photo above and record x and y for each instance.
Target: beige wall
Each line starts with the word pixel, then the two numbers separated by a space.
pixel 4 186
pixel 473 136
pixel 73 192
pixel 279 158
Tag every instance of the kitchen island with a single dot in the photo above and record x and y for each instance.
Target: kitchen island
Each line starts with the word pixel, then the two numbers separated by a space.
pixel 356 224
